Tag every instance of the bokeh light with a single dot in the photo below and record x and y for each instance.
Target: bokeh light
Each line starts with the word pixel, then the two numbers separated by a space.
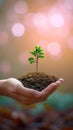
pixel 20 7
pixel 54 49
pixel 68 4
pixel 18 29
pixel 57 20
pixel 40 20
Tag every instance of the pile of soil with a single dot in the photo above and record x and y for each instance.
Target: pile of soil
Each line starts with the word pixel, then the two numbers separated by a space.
pixel 37 81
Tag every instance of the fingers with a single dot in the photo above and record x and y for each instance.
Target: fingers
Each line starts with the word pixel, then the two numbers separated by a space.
pixel 50 89
pixel 61 79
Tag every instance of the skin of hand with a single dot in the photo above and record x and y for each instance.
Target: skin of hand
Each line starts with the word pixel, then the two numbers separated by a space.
pixel 13 88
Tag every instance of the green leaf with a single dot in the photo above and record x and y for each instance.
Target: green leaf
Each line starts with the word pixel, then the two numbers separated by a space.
pixel 41 53
pixel 31 60
pixel 33 52
pixel 38 49
pixel 41 56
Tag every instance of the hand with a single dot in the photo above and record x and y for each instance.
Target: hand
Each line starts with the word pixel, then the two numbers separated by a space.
pixel 13 88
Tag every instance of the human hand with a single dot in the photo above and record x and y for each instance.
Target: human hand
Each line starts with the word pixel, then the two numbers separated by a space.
pixel 13 88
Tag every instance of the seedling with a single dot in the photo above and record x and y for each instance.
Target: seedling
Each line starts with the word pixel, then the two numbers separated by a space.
pixel 37 53
pixel 37 80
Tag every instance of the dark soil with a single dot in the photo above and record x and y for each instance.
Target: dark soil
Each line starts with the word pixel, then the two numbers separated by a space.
pixel 37 81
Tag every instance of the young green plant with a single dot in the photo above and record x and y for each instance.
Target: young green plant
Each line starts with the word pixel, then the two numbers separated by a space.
pixel 37 53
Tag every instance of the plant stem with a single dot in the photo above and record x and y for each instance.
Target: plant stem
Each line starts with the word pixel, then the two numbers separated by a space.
pixel 37 63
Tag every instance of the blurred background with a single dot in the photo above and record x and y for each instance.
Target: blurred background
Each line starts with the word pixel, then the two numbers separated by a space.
pixel 48 23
